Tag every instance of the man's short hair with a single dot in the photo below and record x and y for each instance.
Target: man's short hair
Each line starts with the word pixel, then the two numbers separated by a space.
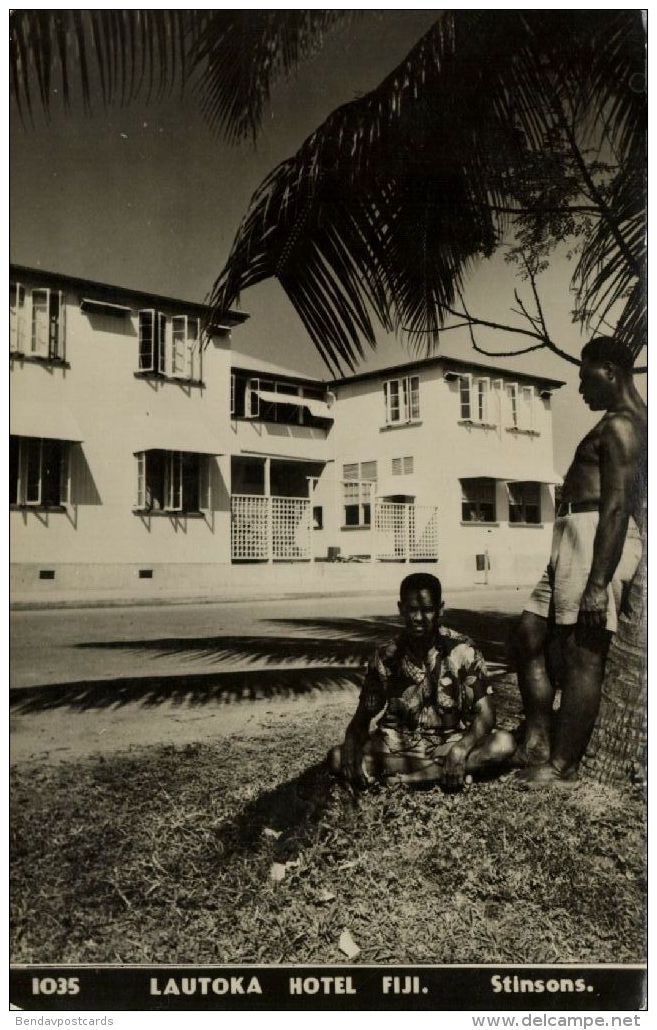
pixel 421 581
pixel 607 348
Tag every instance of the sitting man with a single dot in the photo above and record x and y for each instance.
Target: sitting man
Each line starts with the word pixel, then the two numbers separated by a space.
pixel 438 723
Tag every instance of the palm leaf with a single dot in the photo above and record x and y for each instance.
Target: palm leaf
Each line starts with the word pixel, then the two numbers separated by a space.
pixel 116 53
pixel 407 178
pixel 233 57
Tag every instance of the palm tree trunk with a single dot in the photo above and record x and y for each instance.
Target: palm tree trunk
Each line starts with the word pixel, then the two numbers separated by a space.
pixel 617 749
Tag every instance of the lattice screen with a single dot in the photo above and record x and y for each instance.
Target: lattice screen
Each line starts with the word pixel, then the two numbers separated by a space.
pixel 423 531
pixel 249 527
pixel 406 531
pixel 291 528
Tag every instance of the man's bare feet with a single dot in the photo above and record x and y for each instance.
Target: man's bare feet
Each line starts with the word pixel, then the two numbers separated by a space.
pixel 539 777
pixel 532 748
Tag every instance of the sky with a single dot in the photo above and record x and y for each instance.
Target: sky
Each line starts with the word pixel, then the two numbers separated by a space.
pixel 148 197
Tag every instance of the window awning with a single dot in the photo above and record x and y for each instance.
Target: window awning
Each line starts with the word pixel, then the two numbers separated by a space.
pixel 155 434
pixel 511 475
pixel 50 421
pixel 103 307
pixel 320 409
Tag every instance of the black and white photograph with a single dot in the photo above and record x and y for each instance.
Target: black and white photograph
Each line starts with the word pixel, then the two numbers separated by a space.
pixel 327 509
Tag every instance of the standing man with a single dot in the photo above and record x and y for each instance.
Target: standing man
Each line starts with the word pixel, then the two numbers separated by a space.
pixel 596 548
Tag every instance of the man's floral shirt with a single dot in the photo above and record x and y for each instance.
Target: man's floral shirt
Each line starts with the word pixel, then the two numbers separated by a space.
pixel 438 695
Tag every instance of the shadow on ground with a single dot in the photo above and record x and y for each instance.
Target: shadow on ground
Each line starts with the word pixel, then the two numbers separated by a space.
pixel 330 641
pixel 323 655
pixel 196 689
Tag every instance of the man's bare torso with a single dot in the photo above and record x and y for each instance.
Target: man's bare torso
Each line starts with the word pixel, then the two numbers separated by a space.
pixel 582 482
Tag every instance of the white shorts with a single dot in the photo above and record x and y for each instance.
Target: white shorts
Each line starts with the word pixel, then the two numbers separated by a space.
pixel 559 591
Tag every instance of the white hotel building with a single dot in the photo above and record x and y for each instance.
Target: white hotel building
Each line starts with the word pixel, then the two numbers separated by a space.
pixel 144 448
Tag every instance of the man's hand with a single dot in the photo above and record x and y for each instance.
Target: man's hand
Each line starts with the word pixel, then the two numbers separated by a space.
pixel 593 607
pixel 454 769
pixel 352 764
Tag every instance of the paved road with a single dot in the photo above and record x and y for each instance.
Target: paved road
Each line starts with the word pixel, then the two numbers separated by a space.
pixel 101 679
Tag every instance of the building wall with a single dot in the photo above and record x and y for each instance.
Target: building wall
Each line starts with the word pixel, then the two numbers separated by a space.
pixel 116 412
pixel 444 450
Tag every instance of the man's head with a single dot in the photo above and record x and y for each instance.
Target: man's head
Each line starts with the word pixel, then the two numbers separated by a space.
pixel 605 371
pixel 420 604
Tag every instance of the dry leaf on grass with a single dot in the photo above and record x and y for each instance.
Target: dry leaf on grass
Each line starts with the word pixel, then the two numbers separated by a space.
pixel 348 945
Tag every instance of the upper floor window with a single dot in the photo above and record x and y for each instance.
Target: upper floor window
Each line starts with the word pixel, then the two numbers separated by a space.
pixel 402 400
pixel 520 407
pixel 402 466
pixel 524 502
pixel 274 401
pixel 38 472
pixel 474 397
pixel 172 481
pixel 478 500
pixel 37 322
pixel 170 347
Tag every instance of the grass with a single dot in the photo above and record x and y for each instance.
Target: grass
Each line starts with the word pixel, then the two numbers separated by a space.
pixel 160 856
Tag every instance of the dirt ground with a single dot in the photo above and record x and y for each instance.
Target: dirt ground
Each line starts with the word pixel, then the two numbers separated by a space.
pixel 101 680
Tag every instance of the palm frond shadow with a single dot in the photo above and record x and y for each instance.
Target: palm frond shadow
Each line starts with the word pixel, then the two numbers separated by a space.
pixel 195 690
pixel 328 657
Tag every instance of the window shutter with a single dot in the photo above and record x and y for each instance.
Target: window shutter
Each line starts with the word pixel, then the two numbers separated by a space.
pixel 386 401
pixel 252 405
pixel 179 345
pixel 17 318
pixel 368 471
pixel 174 480
pixel 147 341
pixel 162 364
pixel 526 413
pixel 408 465
pixel 512 394
pixel 396 466
pixel 141 480
pixel 65 472
pixel 40 322
pixel 350 471
pixel 61 350
pixel 204 483
pixel 194 349
pixel 414 397
pixel 232 393
pixel 32 447
pixel 464 391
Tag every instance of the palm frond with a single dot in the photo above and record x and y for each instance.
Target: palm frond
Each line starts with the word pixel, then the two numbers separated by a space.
pixel 237 56
pixel 409 178
pixel 114 53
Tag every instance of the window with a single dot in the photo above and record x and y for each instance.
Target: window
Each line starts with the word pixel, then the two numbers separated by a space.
pixel 172 481
pixel 474 399
pixel 464 390
pixel 482 400
pixel 402 466
pixel 524 502
pixel 172 350
pixel 521 407
pixel 37 322
pixel 478 500
pixel 186 348
pixel 359 481
pixel 402 400
pixel 152 342
pixel 233 394
pixel 17 318
pixel 318 516
pixel 38 472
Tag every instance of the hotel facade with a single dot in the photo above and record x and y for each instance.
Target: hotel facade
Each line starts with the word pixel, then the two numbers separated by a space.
pixel 144 447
